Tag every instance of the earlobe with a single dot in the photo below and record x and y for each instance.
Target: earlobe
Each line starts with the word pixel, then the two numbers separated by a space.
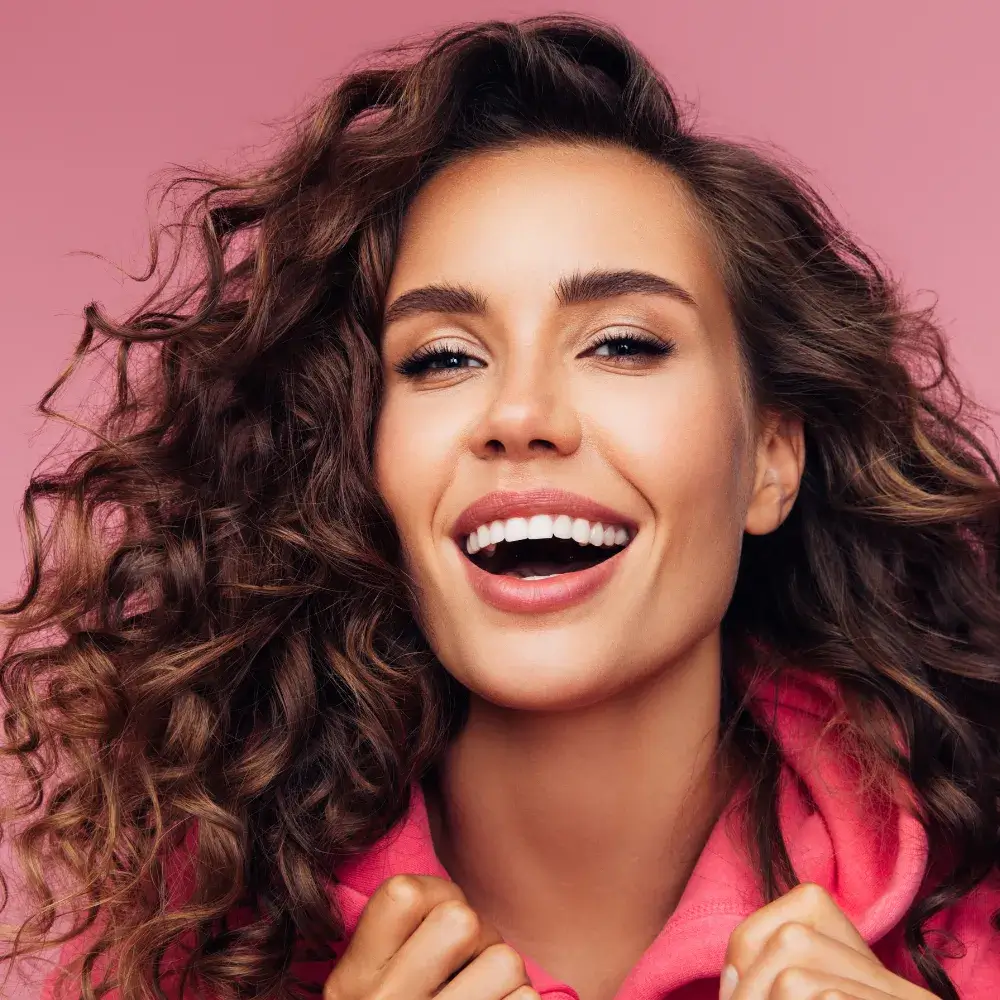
pixel 767 509
pixel 773 480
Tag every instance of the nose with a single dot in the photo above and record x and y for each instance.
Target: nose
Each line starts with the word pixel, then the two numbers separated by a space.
pixel 529 414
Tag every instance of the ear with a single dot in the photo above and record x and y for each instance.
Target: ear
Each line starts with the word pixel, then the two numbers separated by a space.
pixel 780 457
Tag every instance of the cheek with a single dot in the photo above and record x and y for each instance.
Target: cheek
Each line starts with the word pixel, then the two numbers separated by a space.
pixel 683 446
pixel 413 453
pixel 393 464
pixel 697 487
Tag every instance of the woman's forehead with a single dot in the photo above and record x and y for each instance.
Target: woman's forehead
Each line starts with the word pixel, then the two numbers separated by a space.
pixel 514 227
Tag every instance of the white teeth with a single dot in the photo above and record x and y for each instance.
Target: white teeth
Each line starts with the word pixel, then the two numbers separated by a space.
pixel 540 526
pixel 562 527
pixel 488 536
pixel 515 529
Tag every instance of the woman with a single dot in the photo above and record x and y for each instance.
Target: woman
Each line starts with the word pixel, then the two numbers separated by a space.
pixel 545 559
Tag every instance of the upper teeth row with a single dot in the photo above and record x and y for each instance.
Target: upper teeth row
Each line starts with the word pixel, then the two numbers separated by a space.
pixel 515 529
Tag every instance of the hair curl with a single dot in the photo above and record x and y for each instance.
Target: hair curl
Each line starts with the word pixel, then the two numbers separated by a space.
pixel 215 634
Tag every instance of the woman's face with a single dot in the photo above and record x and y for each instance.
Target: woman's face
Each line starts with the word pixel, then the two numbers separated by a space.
pixel 560 360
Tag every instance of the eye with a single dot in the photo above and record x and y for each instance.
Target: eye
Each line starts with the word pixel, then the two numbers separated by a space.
pixel 437 358
pixel 629 344
pixel 619 345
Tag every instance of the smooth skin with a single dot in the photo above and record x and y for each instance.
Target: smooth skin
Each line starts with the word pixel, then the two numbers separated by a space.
pixel 553 811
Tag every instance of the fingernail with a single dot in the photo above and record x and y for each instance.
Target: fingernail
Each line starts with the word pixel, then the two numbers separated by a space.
pixel 728 982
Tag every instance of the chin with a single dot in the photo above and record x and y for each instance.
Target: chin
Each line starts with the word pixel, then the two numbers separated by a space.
pixel 537 683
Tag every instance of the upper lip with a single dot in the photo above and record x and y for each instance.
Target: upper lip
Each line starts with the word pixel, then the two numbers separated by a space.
pixel 502 504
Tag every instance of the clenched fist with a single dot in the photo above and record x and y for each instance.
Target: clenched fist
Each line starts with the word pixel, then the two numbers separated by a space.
pixel 418 938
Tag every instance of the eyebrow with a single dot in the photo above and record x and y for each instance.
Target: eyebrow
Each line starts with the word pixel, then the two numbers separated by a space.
pixel 590 286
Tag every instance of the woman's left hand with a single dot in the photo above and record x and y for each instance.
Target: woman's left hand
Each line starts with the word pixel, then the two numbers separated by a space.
pixel 802 947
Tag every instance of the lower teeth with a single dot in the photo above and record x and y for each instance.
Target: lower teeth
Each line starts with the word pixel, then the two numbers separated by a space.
pixel 535 572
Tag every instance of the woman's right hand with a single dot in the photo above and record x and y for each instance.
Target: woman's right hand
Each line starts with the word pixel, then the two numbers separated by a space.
pixel 418 938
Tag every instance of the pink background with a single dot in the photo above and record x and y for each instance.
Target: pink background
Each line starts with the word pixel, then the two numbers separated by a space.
pixel 891 104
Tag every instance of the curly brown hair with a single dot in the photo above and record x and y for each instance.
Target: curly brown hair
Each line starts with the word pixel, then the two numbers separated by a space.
pixel 215 641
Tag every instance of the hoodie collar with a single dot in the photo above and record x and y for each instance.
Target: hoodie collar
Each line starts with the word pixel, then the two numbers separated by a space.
pixel 864 849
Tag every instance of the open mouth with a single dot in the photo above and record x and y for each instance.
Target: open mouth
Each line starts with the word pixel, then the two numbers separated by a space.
pixel 542 547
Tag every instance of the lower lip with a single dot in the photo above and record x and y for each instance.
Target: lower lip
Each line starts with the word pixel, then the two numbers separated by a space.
pixel 518 596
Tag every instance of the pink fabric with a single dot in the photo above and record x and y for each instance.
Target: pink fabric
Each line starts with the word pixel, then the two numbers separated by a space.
pixel 867 852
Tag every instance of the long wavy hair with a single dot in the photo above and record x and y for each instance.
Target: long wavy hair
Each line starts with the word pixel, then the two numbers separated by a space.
pixel 214 644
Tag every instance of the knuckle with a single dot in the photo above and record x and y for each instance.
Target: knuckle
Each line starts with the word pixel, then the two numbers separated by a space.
pixel 791 984
pixel 743 949
pixel 793 937
pixel 833 994
pixel 404 892
pixel 523 993
pixel 811 894
pixel 738 945
pixel 458 918
pixel 507 961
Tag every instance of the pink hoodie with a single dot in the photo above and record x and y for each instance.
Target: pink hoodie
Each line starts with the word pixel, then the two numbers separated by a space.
pixel 869 854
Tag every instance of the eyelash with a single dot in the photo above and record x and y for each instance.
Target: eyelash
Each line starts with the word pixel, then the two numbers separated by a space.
pixel 419 363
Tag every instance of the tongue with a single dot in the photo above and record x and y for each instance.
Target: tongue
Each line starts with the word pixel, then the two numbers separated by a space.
pixel 541 569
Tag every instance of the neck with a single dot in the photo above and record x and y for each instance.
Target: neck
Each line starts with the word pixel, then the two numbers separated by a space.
pixel 562 827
